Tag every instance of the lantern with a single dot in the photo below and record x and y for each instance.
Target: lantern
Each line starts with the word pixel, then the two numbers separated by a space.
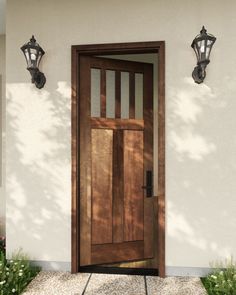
pixel 33 54
pixel 202 45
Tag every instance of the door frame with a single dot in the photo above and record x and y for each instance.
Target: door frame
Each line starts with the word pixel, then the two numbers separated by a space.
pixel 109 49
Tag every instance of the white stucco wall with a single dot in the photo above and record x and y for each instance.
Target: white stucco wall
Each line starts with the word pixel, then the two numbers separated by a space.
pixel 2 133
pixel 200 121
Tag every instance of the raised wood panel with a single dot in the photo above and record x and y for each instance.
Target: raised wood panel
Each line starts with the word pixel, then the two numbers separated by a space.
pixel 102 146
pixel 117 252
pixel 130 124
pixel 133 182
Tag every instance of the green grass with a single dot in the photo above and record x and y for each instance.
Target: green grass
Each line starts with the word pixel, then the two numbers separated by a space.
pixel 222 281
pixel 15 274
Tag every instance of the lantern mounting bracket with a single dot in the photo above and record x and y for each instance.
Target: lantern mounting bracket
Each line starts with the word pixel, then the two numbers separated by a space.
pixel 38 78
pixel 199 72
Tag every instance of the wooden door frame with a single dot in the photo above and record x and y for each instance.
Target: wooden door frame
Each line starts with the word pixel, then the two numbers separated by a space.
pixel 109 49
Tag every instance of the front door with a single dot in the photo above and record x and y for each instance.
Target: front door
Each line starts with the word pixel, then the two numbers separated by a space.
pixel 116 161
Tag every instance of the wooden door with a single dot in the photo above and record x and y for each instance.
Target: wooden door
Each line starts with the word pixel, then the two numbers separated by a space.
pixel 116 162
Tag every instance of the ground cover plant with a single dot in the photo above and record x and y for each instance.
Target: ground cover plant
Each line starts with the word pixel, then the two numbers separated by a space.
pixel 2 244
pixel 222 281
pixel 15 274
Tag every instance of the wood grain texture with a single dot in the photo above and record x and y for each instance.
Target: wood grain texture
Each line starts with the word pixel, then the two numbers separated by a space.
pixel 133 182
pixel 161 161
pixel 74 164
pixel 102 146
pixel 119 48
pixel 118 186
pixel 107 49
pixel 148 158
pixel 117 65
pixel 117 252
pixel 129 124
pixel 85 163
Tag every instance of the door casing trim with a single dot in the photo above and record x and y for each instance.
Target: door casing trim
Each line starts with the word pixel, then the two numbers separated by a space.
pixel 109 49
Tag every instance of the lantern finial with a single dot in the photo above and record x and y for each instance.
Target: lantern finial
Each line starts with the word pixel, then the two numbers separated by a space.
pixel 33 40
pixel 203 30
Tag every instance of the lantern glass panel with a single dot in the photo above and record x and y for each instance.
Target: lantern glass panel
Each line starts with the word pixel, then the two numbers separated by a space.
pixel 207 52
pixel 209 42
pixel 39 57
pixel 33 53
pixel 33 57
pixel 27 57
pixel 196 48
pixel 202 46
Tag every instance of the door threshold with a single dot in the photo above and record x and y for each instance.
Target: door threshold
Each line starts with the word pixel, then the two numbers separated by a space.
pixel 119 270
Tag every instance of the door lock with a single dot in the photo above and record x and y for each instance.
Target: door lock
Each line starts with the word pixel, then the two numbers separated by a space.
pixel 149 184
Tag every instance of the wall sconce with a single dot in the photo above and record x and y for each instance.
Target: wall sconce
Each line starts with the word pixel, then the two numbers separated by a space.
pixel 33 54
pixel 202 45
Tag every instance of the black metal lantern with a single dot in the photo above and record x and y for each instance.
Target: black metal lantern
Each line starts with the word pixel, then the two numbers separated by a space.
pixel 202 45
pixel 33 54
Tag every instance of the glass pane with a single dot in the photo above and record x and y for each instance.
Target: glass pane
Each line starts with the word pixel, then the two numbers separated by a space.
pixel 95 92
pixel 33 53
pixel 138 96
pixel 39 59
pixel 110 94
pixel 201 45
pixel 207 52
pixel 124 95
pixel 27 58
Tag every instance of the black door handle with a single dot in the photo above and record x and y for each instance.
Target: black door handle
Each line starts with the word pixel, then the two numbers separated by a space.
pixel 149 184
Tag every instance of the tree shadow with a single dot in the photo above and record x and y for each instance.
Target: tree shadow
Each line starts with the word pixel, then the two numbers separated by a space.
pixel 38 171
pixel 200 192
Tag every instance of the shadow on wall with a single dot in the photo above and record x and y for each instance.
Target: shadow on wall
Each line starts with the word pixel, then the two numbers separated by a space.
pixel 38 171
pixel 201 149
pixel 2 159
pixel 201 172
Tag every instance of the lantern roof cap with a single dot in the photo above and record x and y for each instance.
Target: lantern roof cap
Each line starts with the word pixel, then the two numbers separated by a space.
pixel 203 36
pixel 33 44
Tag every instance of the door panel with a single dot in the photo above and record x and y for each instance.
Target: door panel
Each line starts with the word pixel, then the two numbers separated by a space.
pixel 116 218
pixel 133 182
pixel 117 252
pixel 102 141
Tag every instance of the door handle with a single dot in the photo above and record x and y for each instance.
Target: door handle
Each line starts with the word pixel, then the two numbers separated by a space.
pixel 149 184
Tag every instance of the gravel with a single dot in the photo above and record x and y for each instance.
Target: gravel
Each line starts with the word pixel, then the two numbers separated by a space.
pixel 64 283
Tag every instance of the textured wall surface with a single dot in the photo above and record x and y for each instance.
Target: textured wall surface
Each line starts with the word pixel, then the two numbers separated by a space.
pixel 200 121
pixel 2 131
